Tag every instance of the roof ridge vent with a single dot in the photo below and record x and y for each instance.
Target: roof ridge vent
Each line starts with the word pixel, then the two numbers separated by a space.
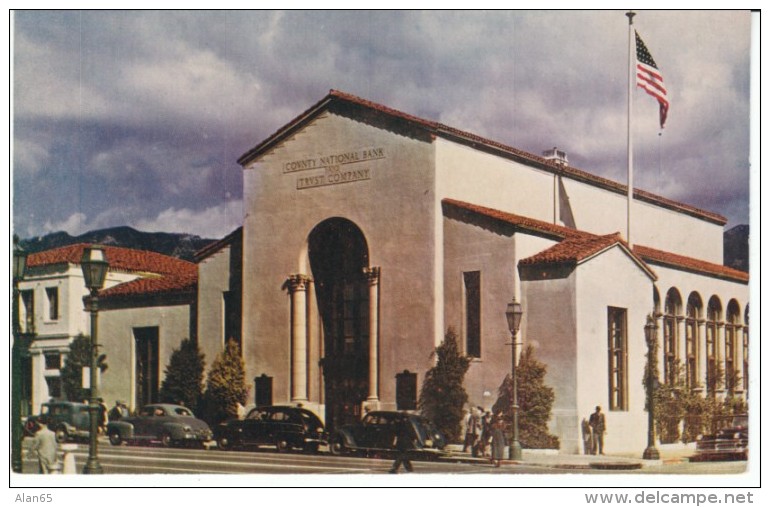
pixel 556 156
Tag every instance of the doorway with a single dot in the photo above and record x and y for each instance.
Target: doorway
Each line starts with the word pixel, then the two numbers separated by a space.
pixel 338 254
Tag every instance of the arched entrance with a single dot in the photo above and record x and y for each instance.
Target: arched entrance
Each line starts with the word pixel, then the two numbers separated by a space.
pixel 338 256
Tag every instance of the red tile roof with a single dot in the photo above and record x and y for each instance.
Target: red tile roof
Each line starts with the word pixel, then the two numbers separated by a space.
pixel 573 250
pixel 161 274
pixel 120 259
pixel 519 221
pixel 660 257
pixel 447 132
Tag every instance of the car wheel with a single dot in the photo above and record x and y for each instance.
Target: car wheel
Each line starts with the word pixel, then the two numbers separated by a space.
pixel 224 443
pixel 61 434
pixel 115 438
pixel 337 446
pixel 282 445
pixel 166 440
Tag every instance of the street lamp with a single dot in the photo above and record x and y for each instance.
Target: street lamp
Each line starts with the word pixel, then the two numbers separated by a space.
pixel 94 264
pixel 651 336
pixel 19 270
pixel 513 314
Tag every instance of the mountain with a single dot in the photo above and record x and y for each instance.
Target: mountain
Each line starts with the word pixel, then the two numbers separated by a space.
pixel 736 247
pixel 182 246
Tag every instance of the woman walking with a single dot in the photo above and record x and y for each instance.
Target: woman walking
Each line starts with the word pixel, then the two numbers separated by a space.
pixel 498 438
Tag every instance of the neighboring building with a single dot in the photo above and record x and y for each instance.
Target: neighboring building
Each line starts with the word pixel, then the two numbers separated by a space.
pixel 146 308
pixel 368 232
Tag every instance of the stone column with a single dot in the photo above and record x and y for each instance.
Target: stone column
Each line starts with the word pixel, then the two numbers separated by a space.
pixel 298 290
pixel 373 278
pixel 702 354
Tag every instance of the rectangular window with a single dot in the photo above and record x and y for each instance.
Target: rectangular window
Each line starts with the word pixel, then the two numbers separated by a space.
pixel 27 319
pixel 669 349
pixel 472 281
pixel 147 365
pixel 53 302
pixel 618 358
pixel 712 380
pixel 52 360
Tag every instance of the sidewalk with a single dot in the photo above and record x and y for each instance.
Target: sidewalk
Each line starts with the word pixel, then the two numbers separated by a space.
pixel 552 459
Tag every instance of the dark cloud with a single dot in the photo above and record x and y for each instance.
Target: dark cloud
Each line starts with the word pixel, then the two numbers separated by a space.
pixel 138 117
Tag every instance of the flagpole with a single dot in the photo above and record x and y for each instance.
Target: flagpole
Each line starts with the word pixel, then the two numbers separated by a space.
pixel 631 80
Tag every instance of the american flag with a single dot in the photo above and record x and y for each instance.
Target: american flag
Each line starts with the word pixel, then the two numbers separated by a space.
pixel 649 78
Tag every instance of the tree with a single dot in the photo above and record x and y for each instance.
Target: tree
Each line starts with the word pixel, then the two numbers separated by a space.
pixel 78 357
pixel 535 402
pixel 226 385
pixel 183 377
pixel 443 397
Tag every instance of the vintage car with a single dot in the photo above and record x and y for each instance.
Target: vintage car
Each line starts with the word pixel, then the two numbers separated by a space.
pixel 69 420
pixel 730 442
pixel 376 435
pixel 170 425
pixel 285 428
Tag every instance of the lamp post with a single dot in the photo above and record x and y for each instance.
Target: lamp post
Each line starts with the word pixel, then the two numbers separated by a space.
pixel 513 314
pixel 19 270
pixel 651 336
pixel 94 264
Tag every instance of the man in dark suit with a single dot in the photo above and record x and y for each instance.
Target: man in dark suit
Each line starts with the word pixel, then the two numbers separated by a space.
pixel 404 444
pixel 598 427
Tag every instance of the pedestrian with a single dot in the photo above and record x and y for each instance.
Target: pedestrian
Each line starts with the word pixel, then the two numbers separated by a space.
pixel 598 428
pixel 497 425
pixel 404 445
pixel 470 438
pixel 588 439
pixel 478 415
pixel 102 416
pixel 116 412
pixel 486 433
pixel 45 446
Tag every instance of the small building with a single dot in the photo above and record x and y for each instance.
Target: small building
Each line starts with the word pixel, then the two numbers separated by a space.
pixel 145 310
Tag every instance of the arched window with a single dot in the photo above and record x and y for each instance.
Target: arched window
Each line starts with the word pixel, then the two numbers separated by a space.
pixel 732 322
pixel 714 376
pixel 694 308
pixel 672 309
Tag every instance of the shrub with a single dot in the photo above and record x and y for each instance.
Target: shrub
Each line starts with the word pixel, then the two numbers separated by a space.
pixel 443 396
pixel 225 385
pixel 535 402
pixel 183 377
pixel 78 357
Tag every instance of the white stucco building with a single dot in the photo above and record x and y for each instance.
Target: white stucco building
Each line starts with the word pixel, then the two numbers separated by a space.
pixel 369 232
pixel 145 310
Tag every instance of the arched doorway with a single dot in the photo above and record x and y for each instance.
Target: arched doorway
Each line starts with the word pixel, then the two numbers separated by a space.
pixel 338 255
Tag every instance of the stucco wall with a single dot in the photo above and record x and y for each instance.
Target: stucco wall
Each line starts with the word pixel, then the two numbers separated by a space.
pixel 394 209
pixel 116 337
pixel 488 180
pixel 213 281
pixel 469 247
pixel 612 279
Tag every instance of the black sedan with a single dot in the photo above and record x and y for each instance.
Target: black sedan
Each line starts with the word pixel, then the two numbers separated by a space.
pixel 284 428
pixel 730 442
pixel 171 425
pixel 376 434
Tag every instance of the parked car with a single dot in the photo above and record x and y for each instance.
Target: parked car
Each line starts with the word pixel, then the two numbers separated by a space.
pixel 376 434
pixel 69 420
pixel 730 442
pixel 171 425
pixel 283 427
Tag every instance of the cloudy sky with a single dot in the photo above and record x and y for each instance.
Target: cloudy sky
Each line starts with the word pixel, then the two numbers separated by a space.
pixel 137 118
